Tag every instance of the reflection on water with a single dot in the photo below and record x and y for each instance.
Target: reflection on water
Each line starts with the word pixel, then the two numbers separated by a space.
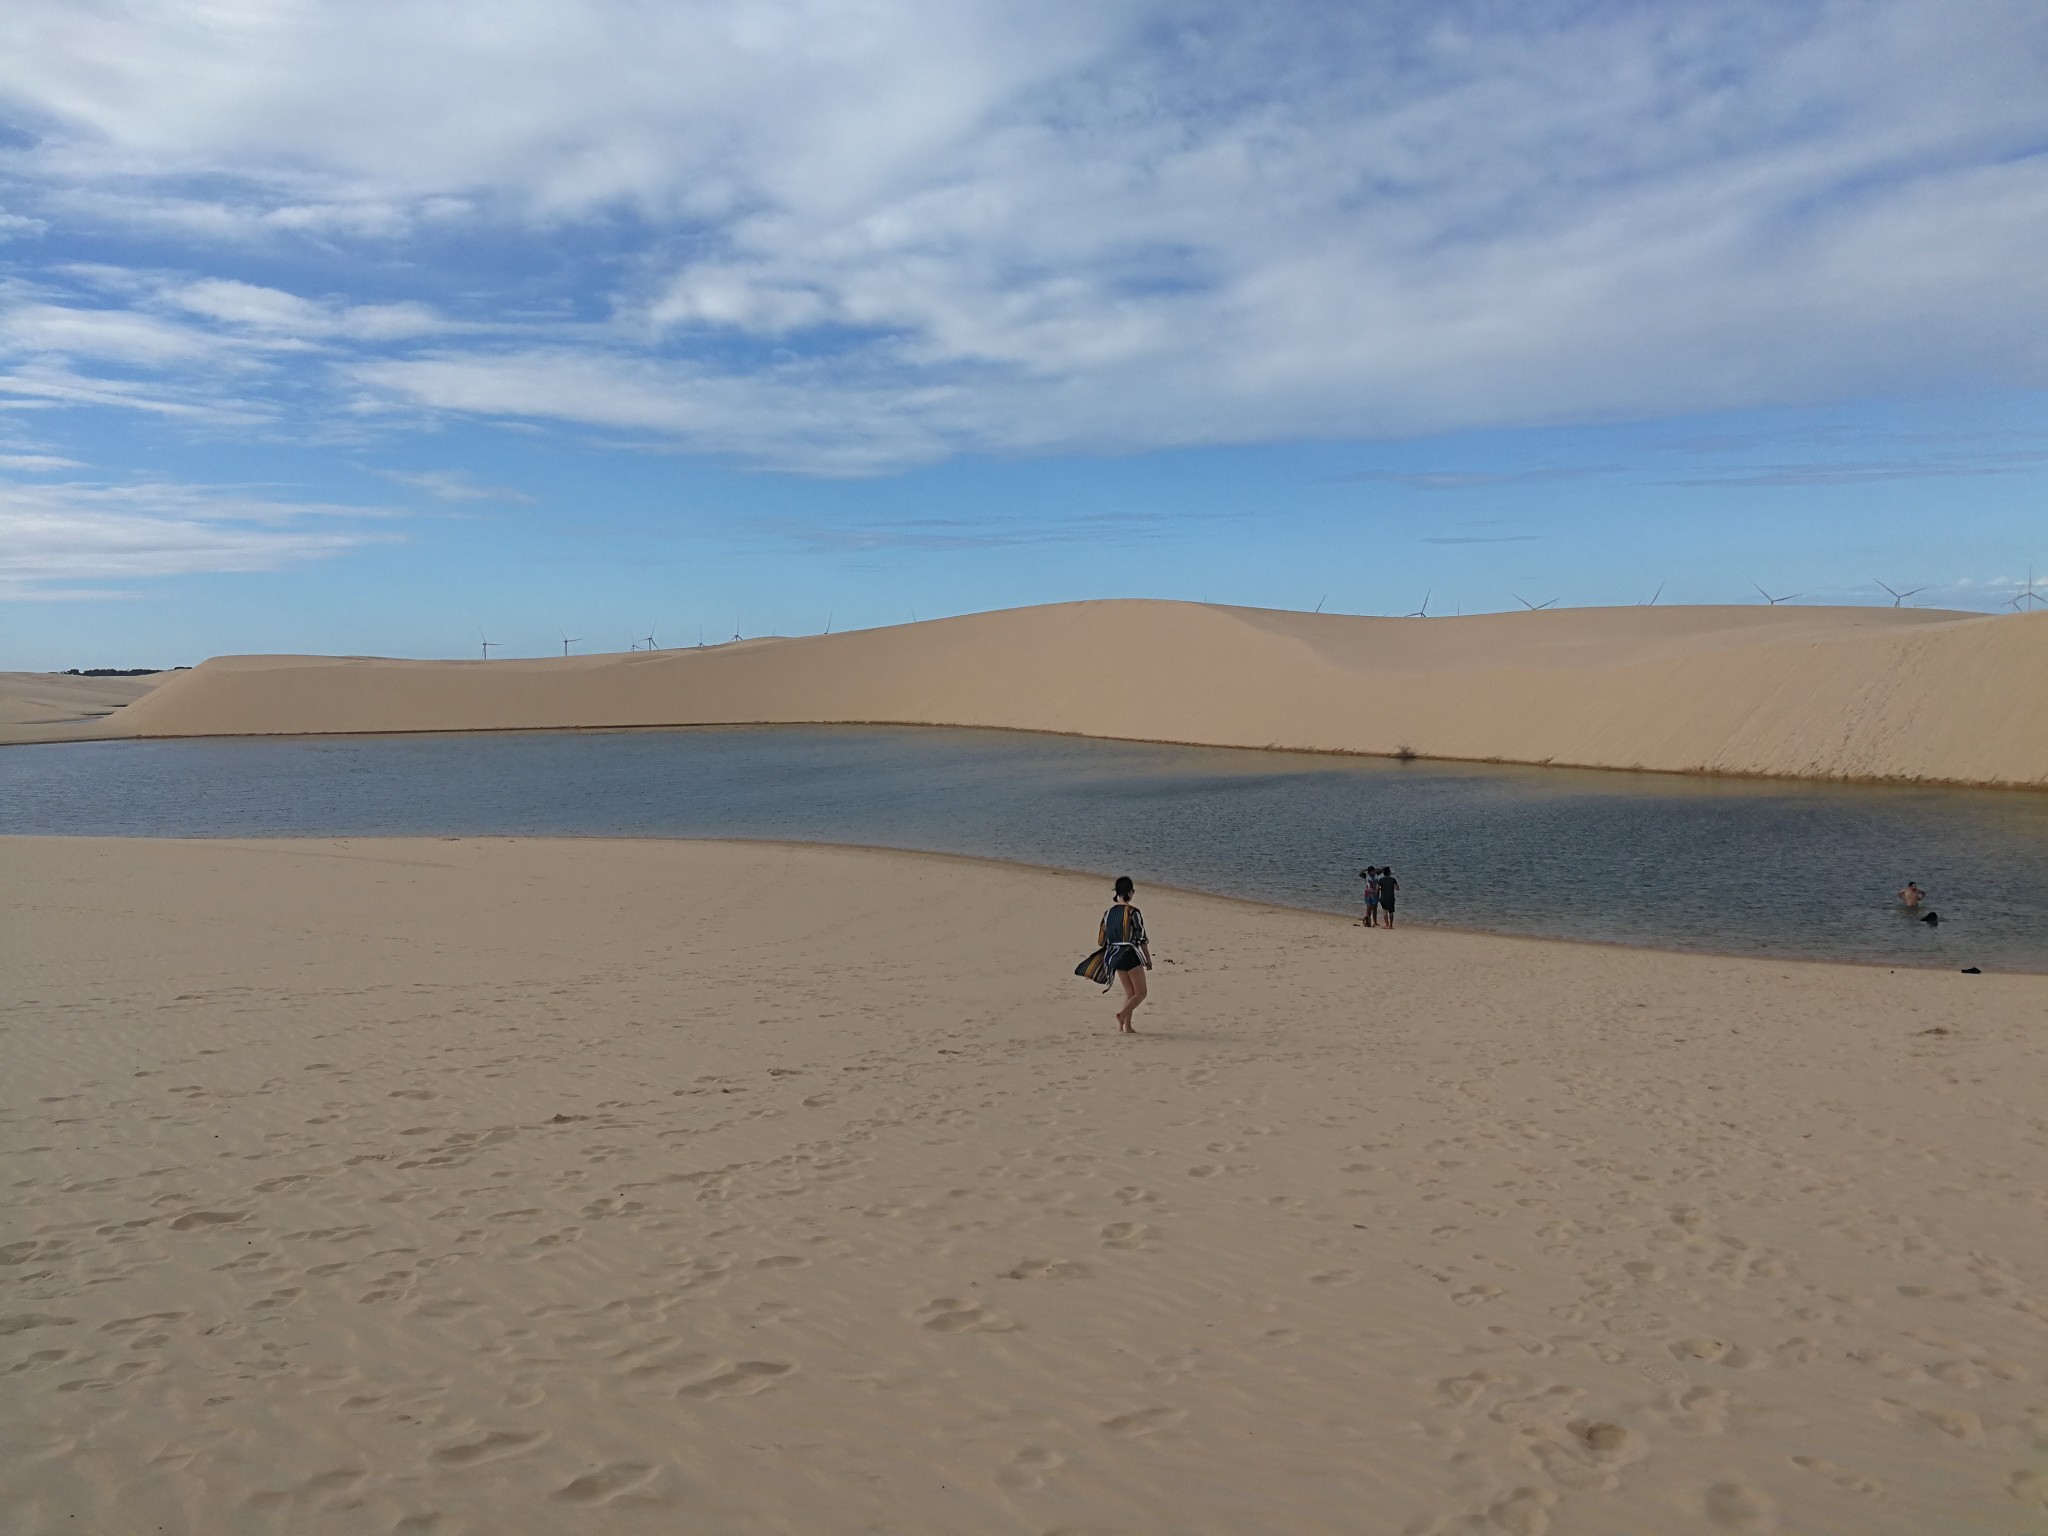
pixel 1740 865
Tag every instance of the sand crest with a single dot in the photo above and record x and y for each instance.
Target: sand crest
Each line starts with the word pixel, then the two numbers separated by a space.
pixel 497 1187
pixel 56 706
pixel 1859 693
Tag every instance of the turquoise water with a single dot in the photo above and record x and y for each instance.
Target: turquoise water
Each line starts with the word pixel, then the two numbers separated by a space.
pixel 1743 866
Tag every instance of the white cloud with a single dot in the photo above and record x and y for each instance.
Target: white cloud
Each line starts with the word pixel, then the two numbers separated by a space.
pixel 109 335
pixel 55 535
pixel 452 485
pixel 273 312
pixel 862 236
pixel 47 385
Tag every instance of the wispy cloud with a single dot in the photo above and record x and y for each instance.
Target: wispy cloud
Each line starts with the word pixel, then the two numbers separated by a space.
pixel 1481 479
pixel 52 536
pixel 452 485
pixel 1870 472
pixel 1484 538
pixel 845 240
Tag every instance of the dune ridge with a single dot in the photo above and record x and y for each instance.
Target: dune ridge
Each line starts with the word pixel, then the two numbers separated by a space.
pixel 1836 693
pixel 60 706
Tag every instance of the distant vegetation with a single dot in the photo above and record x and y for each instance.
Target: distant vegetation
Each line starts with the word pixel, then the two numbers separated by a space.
pixel 118 671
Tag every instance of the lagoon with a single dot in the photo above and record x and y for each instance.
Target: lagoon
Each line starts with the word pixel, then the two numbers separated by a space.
pixel 1760 867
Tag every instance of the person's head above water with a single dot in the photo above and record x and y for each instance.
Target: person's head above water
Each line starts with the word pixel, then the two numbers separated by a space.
pixel 1124 889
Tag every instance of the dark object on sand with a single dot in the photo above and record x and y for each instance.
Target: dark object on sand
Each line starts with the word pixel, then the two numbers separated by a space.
pixel 1932 917
pixel 1972 970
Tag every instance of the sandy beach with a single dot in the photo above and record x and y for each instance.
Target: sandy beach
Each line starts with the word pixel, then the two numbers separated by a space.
pixel 459 1186
pixel 1889 694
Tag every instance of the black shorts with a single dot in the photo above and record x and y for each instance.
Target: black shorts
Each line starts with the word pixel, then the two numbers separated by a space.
pixel 1386 903
pixel 1126 960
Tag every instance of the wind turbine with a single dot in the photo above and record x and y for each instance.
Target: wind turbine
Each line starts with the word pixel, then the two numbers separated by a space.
pixel 828 622
pixel 1320 601
pixel 1898 597
pixel 735 628
pixel 1774 601
pixel 1423 611
pixel 1655 595
pixel 1532 607
pixel 2026 594
pixel 569 640
pixel 487 644
pixel 650 639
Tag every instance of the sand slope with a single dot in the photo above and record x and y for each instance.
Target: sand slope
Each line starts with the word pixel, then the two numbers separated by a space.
pixel 1830 692
pixel 487 1188
pixel 55 706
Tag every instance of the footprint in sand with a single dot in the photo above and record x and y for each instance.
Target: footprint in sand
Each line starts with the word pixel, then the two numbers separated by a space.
pixel 1588 1456
pixel 1841 1477
pixel 193 1219
pixel 1702 1411
pixel 664 1357
pixel 2030 1488
pixel 21 1322
pixel 1046 1269
pixel 1144 1422
pixel 1736 1506
pixel 604 1484
pixel 1027 1469
pixel 742 1380
pixel 948 1314
pixel 1125 1234
pixel 1477 1295
pixel 1524 1512
pixel 493 1445
pixel 1464 1391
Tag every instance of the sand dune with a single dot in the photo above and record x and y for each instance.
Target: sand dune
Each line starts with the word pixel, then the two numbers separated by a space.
pixel 495 1187
pixel 1860 693
pixel 55 706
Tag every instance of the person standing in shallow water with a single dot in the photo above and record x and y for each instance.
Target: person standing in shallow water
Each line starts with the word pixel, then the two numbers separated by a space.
pixel 1371 876
pixel 1389 889
pixel 1127 951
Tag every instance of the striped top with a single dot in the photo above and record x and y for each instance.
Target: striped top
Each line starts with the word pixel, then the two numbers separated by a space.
pixel 1123 926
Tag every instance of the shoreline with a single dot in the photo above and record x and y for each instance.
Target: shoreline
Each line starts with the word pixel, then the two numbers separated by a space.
pixel 1255 903
pixel 1716 775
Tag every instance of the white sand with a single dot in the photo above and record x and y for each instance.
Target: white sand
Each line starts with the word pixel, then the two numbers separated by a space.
pixel 500 1187
pixel 1871 693
pixel 55 706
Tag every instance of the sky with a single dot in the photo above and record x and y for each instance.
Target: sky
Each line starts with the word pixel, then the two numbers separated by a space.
pixel 392 326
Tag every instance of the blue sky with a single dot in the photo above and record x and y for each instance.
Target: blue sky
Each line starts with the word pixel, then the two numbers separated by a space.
pixel 366 327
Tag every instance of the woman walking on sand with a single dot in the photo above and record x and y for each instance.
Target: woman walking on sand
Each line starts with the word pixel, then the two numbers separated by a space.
pixel 1127 952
